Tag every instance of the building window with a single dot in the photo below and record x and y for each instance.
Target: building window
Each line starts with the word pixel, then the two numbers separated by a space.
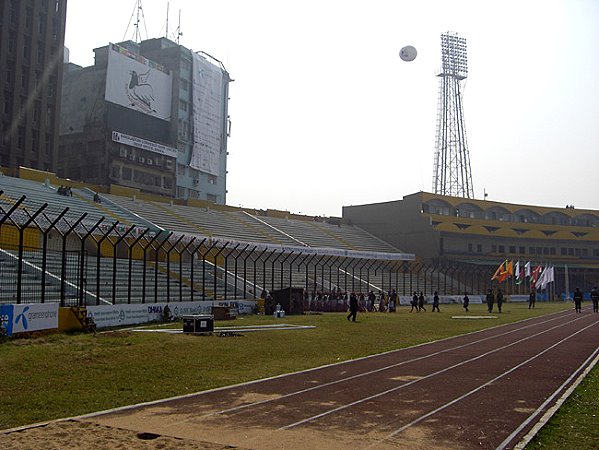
pixel 184 85
pixel 41 24
pixel 26 48
pixel 24 80
pixel 512 249
pixel 37 111
pixel 532 251
pixel 35 140
pixel 21 139
pixel 126 173
pixel 501 249
pixel 28 18
pixel 522 250
pixel 470 248
pixel 211 198
pixel 49 116
pixel 212 179
pixel 6 102
pixel 479 248
pixel 12 42
pixel 40 52
pixel 183 105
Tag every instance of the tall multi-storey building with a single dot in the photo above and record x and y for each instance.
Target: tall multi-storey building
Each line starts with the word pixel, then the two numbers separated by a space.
pixel 31 62
pixel 150 115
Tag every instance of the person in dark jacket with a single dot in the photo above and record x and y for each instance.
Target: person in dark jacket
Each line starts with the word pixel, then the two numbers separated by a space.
pixel 578 300
pixel 532 298
pixel 466 301
pixel 414 302
pixel 353 307
pixel 436 302
pixel 490 300
pixel 595 299
pixel 499 299
pixel 421 302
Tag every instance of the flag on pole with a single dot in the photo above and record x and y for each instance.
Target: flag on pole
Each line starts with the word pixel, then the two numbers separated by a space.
pixel 542 280
pixel 504 271
pixel 519 273
pixel 527 269
pixel 534 276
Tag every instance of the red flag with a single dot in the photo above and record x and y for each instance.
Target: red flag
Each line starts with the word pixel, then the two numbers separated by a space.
pixel 534 276
pixel 504 271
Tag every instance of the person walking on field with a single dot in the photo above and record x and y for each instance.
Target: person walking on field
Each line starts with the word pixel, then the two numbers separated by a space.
pixel 392 301
pixel 414 302
pixel 421 302
pixel 490 300
pixel 595 299
pixel 436 302
pixel 353 307
pixel 578 301
pixel 532 298
pixel 466 302
pixel 499 299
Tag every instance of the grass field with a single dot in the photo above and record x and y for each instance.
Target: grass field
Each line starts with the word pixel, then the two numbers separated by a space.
pixel 63 375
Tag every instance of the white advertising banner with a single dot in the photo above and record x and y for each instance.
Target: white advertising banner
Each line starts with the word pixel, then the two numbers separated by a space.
pixel 131 314
pixel 25 318
pixel 137 83
pixel 208 120
pixel 143 144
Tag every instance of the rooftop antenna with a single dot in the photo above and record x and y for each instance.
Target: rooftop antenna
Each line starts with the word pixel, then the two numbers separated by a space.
pixel 179 32
pixel 167 6
pixel 138 13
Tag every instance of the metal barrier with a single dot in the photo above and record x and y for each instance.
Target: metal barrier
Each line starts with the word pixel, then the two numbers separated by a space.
pixel 49 258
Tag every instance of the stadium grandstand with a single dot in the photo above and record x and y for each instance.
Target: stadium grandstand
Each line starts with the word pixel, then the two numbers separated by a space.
pixel 95 245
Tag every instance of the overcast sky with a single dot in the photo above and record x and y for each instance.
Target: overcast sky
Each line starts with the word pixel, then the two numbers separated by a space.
pixel 325 114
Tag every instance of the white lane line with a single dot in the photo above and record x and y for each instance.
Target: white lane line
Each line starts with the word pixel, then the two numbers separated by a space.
pixel 482 386
pixel 551 411
pixel 371 372
pixel 120 409
pixel 388 391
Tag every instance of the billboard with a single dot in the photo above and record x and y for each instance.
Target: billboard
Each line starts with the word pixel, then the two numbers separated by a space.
pixel 137 83
pixel 144 144
pixel 208 111
pixel 25 318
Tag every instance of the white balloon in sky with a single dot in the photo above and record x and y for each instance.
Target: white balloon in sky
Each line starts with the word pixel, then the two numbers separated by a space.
pixel 408 53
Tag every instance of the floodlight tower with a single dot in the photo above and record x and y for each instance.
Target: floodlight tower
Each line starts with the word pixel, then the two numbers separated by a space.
pixel 452 174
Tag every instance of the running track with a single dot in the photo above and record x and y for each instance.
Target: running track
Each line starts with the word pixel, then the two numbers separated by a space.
pixel 480 390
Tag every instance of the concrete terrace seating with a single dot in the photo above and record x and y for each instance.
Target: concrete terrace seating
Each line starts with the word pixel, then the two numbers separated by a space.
pixel 154 212
pixel 38 193
pixel 356 238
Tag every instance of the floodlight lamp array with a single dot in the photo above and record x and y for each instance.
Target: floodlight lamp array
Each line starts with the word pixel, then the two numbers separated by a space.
pixel 454 57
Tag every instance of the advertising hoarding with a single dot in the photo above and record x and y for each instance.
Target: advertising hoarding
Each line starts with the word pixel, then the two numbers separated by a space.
pixel 25 318
pixel 208 120
pixel 137 83
pixel 143 144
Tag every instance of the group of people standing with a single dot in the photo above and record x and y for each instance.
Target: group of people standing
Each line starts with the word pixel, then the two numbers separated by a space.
pixel 578 297
pixel 493 298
